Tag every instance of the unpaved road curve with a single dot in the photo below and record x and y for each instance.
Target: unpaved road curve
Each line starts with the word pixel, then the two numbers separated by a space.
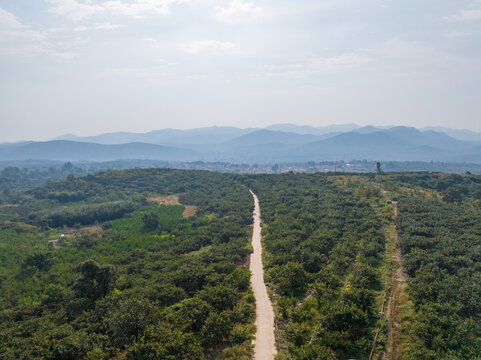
pixel 265 347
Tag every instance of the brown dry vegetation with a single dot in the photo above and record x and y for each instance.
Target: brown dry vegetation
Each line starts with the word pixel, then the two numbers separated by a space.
pixel 8 205
pixel 189 210
pixel 165 200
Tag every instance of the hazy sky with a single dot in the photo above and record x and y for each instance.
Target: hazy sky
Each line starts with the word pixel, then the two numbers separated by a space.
pixel 92 66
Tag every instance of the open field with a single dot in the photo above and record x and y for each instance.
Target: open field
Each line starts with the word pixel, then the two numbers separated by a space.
pixel 189 210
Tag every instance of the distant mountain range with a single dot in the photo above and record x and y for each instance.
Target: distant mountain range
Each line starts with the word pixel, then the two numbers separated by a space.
pixel 77 151
pixel 274 144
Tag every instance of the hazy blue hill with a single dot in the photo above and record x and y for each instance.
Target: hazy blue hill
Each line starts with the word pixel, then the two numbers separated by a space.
pixel 472 155
pixel 425 153
pixel 209 135
pixel 66 137
pixel 7 146
pixel 368 129
pixel 269 136
pixel 75 151
pixel 460 134
pixel 254 153
pixel 399 143
pixel 313 130
pixel 230 144
pixel 256 147
pixel 434 139
pixel 297 129
pixel 353 145
pixel 411 135
pixel 111 138
pixel 172 137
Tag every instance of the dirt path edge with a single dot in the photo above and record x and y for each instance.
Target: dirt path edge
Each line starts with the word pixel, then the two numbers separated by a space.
pixel 264 345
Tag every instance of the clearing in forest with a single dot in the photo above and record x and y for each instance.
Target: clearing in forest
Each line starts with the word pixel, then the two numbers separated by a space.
pixel 189 210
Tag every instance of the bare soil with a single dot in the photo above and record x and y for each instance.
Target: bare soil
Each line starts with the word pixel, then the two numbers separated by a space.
pixel 189 210
pixel 166 200
pixel 265 347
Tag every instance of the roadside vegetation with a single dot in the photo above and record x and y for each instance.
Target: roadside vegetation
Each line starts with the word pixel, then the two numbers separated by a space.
pixel 325 252
pixel 150 284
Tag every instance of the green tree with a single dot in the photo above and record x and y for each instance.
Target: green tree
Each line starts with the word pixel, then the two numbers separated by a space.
pixel 38 261
pixel 95 281
pixel 165 342
pixel 150 221
pixel 291 278
pixel 452 196
pixel 216 328
pixel 128 318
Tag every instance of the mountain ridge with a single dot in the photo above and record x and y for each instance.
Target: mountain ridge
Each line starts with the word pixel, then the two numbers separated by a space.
pixel 256 145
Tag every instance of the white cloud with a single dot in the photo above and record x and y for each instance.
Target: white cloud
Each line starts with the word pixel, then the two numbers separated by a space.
pixel 18 40
pixel 101 26
pixel 459 34
pixel 139 8
pixel 471 13
pixel 238 11
pixel 319 66
pixel 64 55
pixel 465 15
pixel 397 56
pixel 9 21
pixel 159 74
pixel 74 10
pixel 212 47
pixel 163 72
pixel 77 10
pixel 81 28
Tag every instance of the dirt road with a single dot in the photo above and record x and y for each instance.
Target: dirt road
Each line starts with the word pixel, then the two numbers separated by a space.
pixel 265 348
pixel 395 300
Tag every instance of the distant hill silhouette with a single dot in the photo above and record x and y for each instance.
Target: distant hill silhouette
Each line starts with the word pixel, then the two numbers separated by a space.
pixel 76 151
pixel 271 137
pixel 230 144
pixel 172 137
pixel 312 130
pixel 465 135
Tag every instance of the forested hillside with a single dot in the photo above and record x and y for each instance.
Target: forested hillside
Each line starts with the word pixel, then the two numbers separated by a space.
pixel 328 259
pixel 441 246
pixel 153 264
pixel 324 257
pixel 150 284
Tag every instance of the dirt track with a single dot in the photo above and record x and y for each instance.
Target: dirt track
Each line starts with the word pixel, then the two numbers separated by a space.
pixel 394 316
pixel 265 348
